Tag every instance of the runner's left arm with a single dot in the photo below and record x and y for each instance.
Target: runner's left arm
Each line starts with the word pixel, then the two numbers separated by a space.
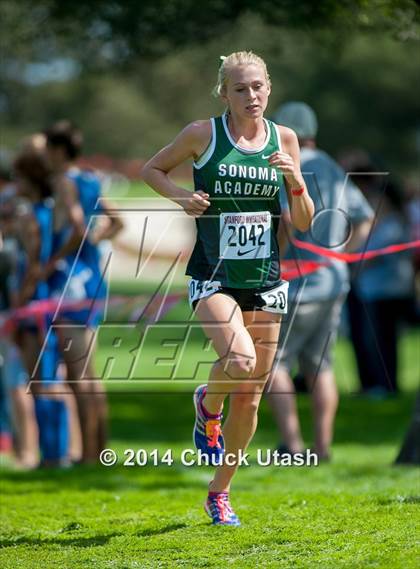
pixel 288 161
pixel 284 232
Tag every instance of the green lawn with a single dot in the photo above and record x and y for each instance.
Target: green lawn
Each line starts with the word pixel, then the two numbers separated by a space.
pixel 134 190
pixel 358 511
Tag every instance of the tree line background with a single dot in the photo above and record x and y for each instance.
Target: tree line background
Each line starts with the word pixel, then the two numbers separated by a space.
pixel 131 74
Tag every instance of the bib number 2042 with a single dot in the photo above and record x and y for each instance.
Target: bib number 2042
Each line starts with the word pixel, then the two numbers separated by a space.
pixel 245 235
pixel 239 235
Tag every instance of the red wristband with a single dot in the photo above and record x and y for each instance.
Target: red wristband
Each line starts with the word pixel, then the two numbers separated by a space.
pixel 298 191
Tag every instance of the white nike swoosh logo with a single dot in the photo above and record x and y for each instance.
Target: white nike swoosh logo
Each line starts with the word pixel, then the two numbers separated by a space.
pixel 264 157
pixel 241 253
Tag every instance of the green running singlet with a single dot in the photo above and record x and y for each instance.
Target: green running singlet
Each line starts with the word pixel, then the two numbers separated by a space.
pixel 237 235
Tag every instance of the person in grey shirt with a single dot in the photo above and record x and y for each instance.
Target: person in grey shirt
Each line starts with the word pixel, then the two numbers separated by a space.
pixel 342 222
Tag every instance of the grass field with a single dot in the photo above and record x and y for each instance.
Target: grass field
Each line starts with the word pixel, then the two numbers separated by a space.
pixel 134 190
pixel 358 511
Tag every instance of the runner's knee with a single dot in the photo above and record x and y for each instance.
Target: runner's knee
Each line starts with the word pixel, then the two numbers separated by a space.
pixel 237 366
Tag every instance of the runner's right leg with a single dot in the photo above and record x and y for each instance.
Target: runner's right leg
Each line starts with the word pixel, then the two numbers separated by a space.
pixel 240 425
pixel 222 322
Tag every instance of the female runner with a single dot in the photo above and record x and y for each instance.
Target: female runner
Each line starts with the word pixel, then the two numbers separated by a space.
pixel 240 162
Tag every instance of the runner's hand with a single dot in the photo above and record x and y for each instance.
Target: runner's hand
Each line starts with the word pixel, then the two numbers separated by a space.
pixel 285 163
pixel 196 204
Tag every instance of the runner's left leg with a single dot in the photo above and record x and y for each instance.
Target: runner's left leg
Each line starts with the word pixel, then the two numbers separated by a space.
pixel 240 425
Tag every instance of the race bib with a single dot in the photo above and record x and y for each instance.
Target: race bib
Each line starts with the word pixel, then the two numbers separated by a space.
pixel 275 300
pixel 245 235
pixel 201 289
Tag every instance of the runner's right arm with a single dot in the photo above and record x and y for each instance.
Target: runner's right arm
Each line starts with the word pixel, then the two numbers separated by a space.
pixel 190 143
